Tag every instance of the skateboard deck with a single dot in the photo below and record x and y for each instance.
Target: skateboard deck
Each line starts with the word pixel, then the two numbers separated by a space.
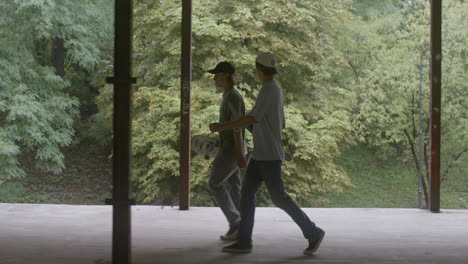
pixel 205 146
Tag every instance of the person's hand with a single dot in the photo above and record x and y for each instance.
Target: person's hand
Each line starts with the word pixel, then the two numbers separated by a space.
pixel 241 162
pixel 215 127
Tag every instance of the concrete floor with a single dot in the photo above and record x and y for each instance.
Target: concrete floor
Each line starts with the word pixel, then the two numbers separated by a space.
pixel 47 234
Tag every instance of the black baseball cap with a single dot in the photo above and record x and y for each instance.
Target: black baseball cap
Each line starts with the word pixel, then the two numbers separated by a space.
pixel 223 67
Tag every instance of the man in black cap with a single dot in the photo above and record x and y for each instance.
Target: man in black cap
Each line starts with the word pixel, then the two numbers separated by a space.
pixel 225 181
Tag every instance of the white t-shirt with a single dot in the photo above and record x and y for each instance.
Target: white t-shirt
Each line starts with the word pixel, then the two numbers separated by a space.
pixel 268 111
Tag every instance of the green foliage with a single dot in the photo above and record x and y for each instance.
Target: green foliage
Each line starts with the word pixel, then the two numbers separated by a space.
pixel 369 9
pixel 297 32
pixel 348 68
pixel 37 113
pixel 454 89
pixel 12 193
pixel 386 81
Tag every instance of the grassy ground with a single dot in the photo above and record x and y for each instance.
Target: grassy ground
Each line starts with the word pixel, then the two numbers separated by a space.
pixel 87 180
pixel 388 184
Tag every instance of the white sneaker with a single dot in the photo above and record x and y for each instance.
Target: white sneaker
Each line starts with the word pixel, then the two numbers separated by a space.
pixel 231 235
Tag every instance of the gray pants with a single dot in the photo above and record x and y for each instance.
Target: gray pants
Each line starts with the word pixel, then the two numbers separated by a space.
pixel 225 186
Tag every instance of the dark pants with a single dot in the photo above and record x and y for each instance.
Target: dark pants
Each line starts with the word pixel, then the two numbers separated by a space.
pixel 270 173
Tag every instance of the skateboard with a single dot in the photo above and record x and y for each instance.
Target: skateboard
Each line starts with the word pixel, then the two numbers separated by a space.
pixel 205 146
pixel 209 147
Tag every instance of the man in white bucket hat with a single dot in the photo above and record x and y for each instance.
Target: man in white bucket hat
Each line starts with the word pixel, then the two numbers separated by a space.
pixel 267 120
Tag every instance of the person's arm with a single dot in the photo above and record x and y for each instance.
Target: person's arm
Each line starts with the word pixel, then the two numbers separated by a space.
pixel 282 112
pixel 283 121
pixel 239 147
pixel 255 115
pixel 242 122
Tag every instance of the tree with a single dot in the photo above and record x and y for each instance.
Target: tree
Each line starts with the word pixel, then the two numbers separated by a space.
pixel 37 112
pixel 297 32
pixel 387 78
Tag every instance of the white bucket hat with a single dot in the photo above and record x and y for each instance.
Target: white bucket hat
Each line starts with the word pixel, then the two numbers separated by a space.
pixel 266 59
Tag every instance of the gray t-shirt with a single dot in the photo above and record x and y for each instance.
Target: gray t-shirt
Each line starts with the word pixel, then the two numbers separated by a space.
pixel 232 106
pixel 268 111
